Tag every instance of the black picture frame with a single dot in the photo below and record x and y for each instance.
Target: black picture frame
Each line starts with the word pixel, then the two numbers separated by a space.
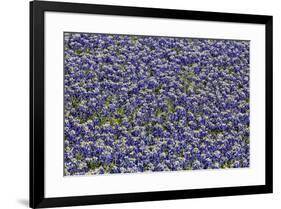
pixel 37 195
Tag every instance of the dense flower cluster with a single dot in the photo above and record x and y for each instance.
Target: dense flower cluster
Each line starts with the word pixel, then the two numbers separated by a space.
pixel 145 103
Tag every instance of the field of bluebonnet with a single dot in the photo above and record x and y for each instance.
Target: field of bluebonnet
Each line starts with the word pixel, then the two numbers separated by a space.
pixel 145 103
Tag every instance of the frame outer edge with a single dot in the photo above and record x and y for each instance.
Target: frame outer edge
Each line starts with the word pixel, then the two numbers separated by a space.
pixel 269 103
pixel 31 175
pixel 36 104
pixel 36 167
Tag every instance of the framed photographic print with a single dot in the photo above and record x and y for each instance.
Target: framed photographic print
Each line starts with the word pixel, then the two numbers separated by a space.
pixel 135 104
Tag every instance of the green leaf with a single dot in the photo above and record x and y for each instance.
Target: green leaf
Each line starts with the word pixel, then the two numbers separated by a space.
pixel 93 165
pixel 120 111
pixel 215 132
pixel 78 156
pixel 109 100
pixel 75 102
pixel 171 107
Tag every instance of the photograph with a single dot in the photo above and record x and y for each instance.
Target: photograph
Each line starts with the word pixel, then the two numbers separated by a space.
pixel 147 103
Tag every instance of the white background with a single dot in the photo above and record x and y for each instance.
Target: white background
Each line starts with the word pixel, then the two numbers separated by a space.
pixel 15 91
pixel 58 186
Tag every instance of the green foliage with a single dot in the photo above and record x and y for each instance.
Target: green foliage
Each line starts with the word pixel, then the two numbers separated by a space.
pixel 120 111
pixel 230 71
pixel 103 121
pixel 157 90
pixel 215 132
pixel 87 72
pixel 75 102
pixel 78 52
pixel 246 139
pixel 151 73
pixel 109 101
pixel 227 164
pixel 187 77
pixel 123 66
pixel 177 50
pixel 158 112
pixel 132 117
pixel 108 167
pixel 170 105
pixel 114 121
pixel 88 51
pixel 134 39
pixel 111 120
pixel 93 165
pixel 78 156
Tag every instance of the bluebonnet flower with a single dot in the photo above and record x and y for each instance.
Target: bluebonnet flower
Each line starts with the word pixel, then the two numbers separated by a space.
pixel 144 103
